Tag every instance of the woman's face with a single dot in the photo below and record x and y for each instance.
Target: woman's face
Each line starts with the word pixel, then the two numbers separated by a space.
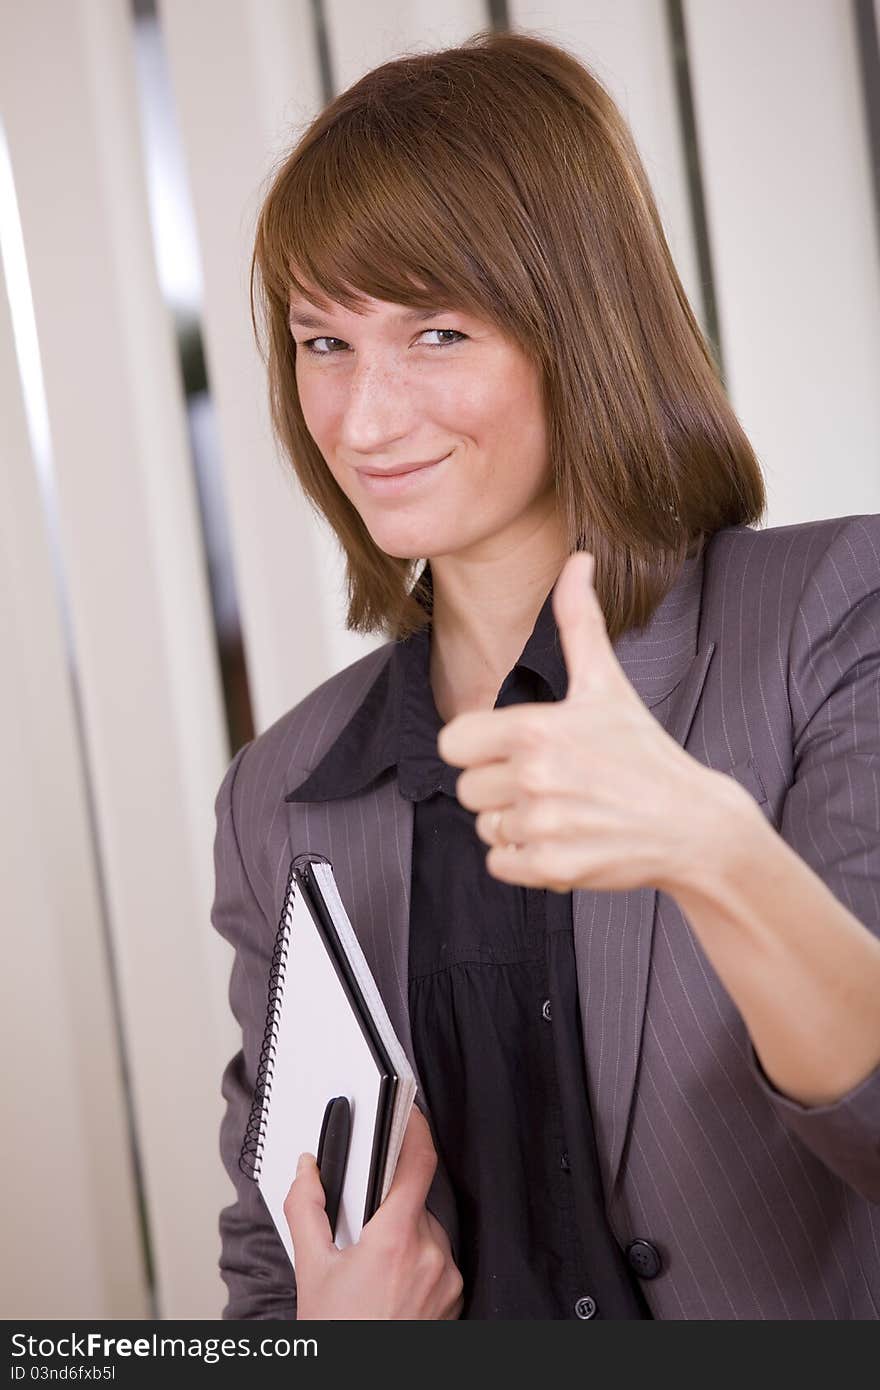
pixel 399 386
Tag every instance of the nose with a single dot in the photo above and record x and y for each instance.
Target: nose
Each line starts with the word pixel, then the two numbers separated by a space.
pixel 380 407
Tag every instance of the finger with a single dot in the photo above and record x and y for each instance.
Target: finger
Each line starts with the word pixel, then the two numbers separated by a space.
pixel 438 1232
pixel 415 1169
pixel 305 1211
pixel 456 1309
pixel 582 632
pixel 543 864
pixel 484 736
pixel 488 786
pixel 559 819
pixel 439 1235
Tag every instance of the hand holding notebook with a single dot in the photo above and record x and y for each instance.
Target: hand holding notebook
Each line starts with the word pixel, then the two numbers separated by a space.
pixel 393 1271
pixel 334 1082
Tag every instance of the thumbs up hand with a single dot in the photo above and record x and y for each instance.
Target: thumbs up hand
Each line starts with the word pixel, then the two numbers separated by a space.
pixel 585 792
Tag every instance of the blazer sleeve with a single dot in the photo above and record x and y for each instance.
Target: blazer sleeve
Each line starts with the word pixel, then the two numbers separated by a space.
pixel 253 1262
pixel 831 814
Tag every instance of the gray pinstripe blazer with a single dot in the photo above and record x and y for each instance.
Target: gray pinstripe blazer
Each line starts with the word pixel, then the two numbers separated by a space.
pixel 763 662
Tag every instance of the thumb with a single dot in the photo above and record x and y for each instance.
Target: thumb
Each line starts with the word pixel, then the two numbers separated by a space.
pixel 416 1166
pixel 581 623
pixel 305 1210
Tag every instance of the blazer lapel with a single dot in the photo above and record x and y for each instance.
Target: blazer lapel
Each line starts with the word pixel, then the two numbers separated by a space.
pixel 613 930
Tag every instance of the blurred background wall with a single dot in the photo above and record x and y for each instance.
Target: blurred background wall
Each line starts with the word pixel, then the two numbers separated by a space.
pixel 156 559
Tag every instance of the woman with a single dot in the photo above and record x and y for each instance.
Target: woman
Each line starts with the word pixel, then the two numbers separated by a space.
pixel 608 824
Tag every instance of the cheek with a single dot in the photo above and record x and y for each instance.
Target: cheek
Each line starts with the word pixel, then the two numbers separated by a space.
pixel 310 405
pixel 520 449
pixel 318 388
pixel 318 416
pixel 503 408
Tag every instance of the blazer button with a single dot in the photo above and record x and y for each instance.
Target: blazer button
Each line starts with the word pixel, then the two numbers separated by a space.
pixel 644 1259
pixel 585 1307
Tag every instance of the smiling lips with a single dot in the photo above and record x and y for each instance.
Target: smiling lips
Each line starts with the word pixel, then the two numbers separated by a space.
pixel 390 482
pixel 399 468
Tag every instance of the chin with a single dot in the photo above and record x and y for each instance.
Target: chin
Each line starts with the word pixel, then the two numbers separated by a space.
pixel 409 543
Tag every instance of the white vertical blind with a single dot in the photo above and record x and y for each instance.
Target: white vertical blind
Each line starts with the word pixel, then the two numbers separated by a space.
pixel 70 1236
pixel 133 563
pixel 784 151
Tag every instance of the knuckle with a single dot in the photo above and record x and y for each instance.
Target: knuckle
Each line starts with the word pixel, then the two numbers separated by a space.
pixel 433 1262
pixel 391 1245
pixel 559 880
pixel 534 774
pixel 451 1293
pixel 425 1163
pixel 438 1232
pixel 553 871
pixel 531 821
pixel 533 729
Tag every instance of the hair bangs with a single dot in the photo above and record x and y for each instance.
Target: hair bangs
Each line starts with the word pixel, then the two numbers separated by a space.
pixel 353 216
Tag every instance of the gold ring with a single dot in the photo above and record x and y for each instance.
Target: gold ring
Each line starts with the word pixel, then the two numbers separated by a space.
pixel 496 832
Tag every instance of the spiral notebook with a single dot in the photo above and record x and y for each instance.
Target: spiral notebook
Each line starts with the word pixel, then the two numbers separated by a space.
pixel 327 1034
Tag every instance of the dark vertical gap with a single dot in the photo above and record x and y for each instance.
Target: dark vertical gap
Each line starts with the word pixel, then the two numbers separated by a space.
pixel 499 17
pixel 868 43
pixel 322 46
pixel 687 118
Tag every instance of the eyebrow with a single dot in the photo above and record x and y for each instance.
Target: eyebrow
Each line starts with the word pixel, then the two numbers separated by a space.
pixel 405 316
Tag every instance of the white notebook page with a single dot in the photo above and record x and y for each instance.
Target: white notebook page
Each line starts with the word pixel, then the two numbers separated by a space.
pixel 320 1052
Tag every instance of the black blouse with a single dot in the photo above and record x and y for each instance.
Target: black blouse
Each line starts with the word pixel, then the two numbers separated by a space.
pixel 494 1013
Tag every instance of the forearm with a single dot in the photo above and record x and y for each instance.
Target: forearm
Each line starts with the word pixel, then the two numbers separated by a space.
pixel 802 970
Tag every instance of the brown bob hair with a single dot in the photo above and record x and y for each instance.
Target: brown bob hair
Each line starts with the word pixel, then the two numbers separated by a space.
pixel 500 178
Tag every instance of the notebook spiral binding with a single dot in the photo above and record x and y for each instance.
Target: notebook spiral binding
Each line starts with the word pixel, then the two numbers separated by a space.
pixel 251 1156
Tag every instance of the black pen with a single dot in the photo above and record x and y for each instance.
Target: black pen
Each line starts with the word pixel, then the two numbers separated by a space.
pixel 332 1154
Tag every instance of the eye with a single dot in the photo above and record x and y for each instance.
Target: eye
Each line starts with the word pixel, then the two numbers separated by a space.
pixel 310 343
pixel 454 331
pixel 319 352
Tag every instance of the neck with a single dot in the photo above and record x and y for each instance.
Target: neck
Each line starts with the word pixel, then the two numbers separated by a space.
pixel 484 611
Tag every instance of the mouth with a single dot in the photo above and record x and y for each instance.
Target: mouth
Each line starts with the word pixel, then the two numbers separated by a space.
pixel 389 484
